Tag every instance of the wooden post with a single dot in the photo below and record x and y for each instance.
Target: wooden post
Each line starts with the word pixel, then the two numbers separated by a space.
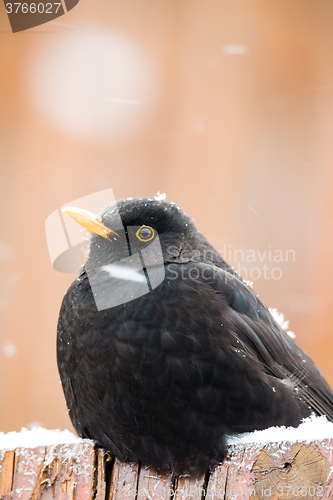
pixel 80 471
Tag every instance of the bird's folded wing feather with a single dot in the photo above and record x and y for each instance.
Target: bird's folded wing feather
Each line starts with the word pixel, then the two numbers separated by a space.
pixel 264 341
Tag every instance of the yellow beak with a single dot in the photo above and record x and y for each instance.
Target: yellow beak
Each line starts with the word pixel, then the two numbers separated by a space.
pixel 91 222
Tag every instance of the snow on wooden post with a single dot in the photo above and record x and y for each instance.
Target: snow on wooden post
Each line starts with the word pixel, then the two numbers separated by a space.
pixel 80 471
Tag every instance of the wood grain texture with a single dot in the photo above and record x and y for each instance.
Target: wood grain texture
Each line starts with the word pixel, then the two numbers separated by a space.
pixel 80 471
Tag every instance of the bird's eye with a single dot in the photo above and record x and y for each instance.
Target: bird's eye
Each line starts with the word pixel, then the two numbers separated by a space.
pixel 145 233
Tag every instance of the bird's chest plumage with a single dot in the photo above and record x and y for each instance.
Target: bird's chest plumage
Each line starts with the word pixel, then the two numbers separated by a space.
pixel 147 368
pixel 151 345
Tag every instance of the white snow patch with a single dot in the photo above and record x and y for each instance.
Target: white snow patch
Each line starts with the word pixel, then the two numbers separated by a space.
pixel 248 283
pixel 279 318
pixel 123 273
pixel 160 196
pixel 313 428
pixel 37 436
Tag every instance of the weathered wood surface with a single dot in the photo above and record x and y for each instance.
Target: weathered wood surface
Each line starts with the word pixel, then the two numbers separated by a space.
pixel 80 471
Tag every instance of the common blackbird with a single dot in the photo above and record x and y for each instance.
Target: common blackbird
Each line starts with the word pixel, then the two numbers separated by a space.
pixel 163 378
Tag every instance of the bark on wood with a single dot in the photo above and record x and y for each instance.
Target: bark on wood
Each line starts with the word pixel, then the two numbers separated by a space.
pixel 80 471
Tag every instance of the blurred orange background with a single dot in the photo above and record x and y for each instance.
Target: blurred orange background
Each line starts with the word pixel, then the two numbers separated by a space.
pixel 226 106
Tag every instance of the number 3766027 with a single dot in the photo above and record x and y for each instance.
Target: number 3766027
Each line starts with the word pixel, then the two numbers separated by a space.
pixel 33 8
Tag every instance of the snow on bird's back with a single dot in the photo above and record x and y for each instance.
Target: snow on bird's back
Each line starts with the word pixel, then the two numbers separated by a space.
pixel 283 323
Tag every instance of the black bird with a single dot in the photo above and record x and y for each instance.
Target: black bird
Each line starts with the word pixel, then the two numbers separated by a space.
pixel 163 378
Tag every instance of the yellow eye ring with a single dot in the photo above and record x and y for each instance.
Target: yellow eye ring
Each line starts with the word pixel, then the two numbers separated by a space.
pixel 145 233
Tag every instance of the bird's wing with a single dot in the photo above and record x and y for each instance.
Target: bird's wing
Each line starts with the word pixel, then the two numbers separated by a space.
pixel 258 335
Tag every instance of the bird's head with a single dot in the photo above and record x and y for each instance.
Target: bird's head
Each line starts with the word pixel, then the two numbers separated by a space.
pixel 130 226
